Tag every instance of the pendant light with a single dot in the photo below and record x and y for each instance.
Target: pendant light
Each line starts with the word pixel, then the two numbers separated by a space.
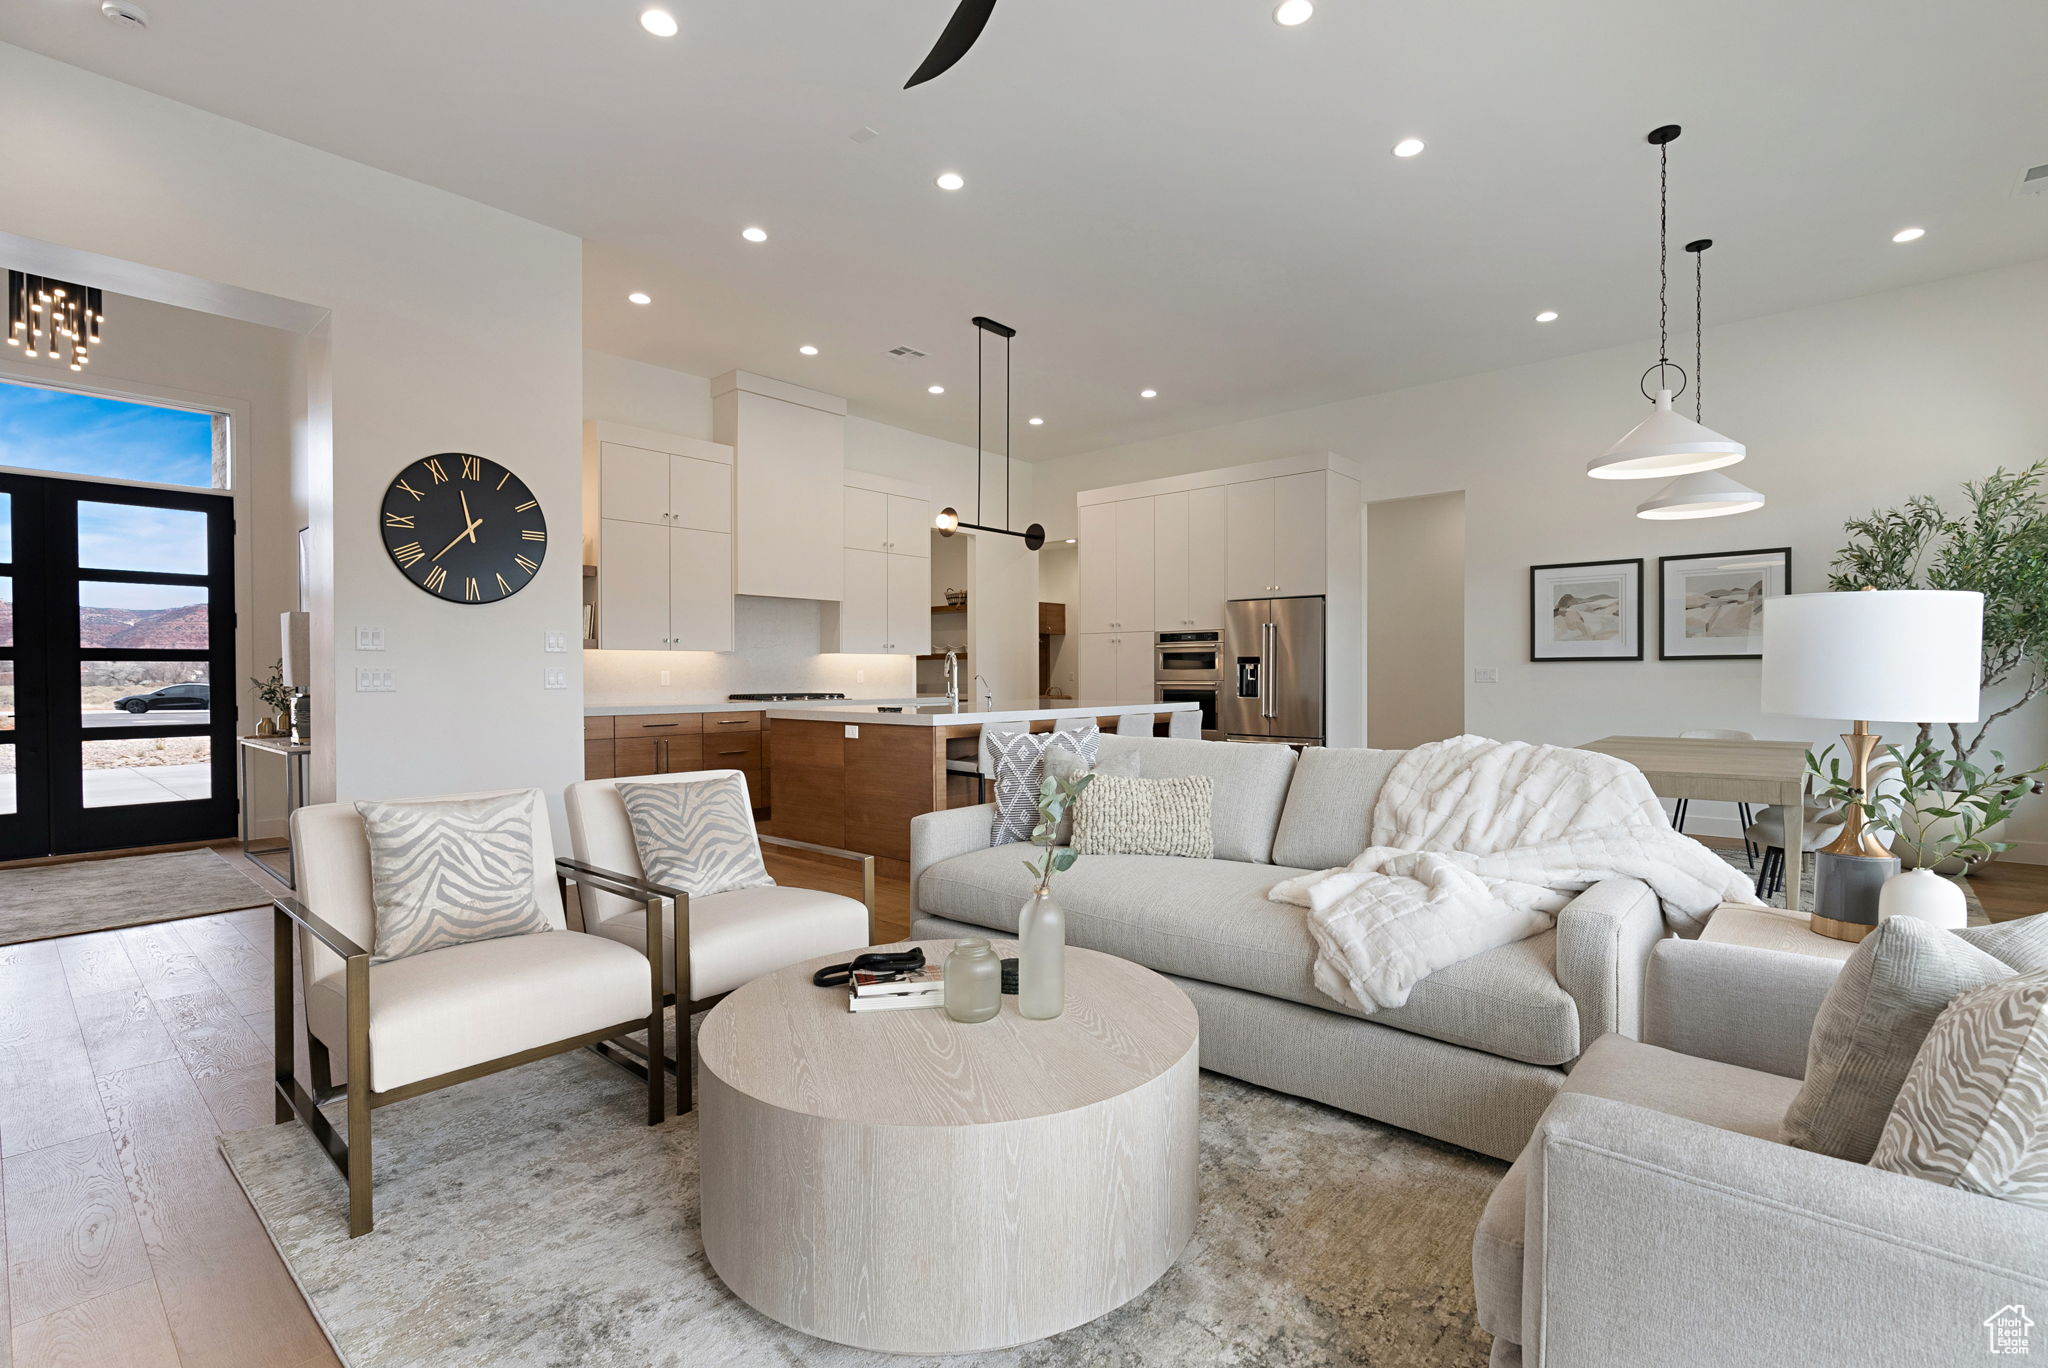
pixel 53 318
pixel 1706 493
pixel 949 521
pixel 1667 442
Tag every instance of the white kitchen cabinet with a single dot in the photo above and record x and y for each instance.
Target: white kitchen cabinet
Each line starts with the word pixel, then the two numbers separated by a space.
pixel 1134 570
pixel 1187 559
pixel 1116 667
pixel 632 586
pixel 658 525
pixel 910 526
pixel 700 494
pixel 1301 534
pixel 633 483
pixel 789 499
pixel 1248 540
pixel 1098 561
pixel 867 519
pixel 700 599
pixel 910 605
pixel 863 615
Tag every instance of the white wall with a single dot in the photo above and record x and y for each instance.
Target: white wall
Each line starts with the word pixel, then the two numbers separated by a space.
pixel 778 640
pixel 1414 620
pixel 1847 407
pixel 448 326
pixel 1059 581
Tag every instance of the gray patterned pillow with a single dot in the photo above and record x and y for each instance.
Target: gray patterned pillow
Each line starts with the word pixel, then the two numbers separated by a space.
pixel 1871 1025
pixel 1974 1111
pixel 1145 817
pixel 445 873
pixel 1019 760
pixel 697 836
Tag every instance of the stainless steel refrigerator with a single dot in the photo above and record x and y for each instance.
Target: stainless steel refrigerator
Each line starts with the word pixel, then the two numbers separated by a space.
pixel 1273 652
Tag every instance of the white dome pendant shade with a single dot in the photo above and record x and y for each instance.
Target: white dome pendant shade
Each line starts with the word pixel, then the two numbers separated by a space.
pixel 1665 443
pixel 1700 495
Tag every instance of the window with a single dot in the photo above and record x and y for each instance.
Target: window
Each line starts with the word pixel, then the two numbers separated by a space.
pixel 70 433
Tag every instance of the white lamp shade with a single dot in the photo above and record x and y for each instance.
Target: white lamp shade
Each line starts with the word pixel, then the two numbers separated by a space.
pixel 1664 444
pixel 1898 655
pixel 1703 495
pixel 295 638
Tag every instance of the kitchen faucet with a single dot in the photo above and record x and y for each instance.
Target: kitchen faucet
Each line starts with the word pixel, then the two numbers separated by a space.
pixel 988 697
pixel 953 677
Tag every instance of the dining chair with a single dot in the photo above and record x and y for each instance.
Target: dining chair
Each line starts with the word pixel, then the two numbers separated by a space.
pixel 982 768
pixel 1743 813
pixel 1135 724
pixel 403 1027
pixel 711 943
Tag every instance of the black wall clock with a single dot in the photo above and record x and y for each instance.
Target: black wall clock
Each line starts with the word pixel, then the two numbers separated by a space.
pixel 464 528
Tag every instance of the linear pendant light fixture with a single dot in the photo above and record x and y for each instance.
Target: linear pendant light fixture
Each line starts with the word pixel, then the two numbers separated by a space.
pixel 1705 493
pixel 53 318
pixel 1667 442
pixel 948 522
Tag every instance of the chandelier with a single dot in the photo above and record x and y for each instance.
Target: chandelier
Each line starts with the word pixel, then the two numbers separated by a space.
pixel 53 318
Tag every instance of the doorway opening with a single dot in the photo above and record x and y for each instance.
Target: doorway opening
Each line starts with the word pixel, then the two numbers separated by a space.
pixel 1414 620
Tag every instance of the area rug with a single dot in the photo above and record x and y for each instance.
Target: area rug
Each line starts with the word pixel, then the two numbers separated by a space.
pixel 40 901
pixel 1735 858
pixel 534 1218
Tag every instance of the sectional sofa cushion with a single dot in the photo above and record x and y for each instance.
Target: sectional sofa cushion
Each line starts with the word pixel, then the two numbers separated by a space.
pixel 1210 920
pixel 1328 817
pixel 1251 786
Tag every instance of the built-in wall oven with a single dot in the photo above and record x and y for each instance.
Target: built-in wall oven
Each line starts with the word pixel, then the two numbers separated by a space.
pixel 1189 670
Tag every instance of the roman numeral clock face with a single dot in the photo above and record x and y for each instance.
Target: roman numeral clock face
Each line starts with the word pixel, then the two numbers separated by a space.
pixel 464 528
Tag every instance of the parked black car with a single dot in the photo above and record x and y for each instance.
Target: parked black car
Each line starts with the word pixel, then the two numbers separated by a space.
pixel 174 696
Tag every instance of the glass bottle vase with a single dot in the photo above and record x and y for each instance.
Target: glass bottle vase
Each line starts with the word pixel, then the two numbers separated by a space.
pixel 974 981
pixel 1042 957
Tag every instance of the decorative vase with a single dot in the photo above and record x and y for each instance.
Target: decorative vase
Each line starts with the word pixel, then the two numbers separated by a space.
pixel 1845 892
pixel 1042 957
pixel 265 727
pixel 1925 896
pixel 302 719
pixel 974 981
pixel 1918 829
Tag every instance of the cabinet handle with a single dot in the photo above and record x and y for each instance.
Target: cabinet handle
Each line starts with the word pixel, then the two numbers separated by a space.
pixel 650 726
pixel 733 722
pixel 737 752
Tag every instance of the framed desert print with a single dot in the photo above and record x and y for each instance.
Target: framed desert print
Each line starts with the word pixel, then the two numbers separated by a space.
pixel 1587 610
pixel 1712 607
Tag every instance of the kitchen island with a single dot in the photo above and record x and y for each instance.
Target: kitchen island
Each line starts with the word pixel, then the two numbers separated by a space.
pixel 853 775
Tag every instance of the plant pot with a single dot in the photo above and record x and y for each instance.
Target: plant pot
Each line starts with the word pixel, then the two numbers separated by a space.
pixel 1925 896
pixel 1917 829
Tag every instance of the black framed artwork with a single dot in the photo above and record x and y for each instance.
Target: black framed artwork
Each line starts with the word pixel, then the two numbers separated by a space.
pixel 1710 607
pixel 1586 610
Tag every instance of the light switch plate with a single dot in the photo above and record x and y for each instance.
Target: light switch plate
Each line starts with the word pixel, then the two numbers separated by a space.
pixel 664 676
pixel 375 681
pixel 554 679
pixel 853 733
pixel 860 676
pixel 369 638
pixel 1485 674
pixel 557 641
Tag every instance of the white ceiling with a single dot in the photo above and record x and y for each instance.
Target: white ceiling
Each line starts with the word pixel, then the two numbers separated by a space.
pixel 1169 193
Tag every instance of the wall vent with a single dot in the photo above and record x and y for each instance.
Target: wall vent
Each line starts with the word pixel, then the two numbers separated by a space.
pixel 2033 181
pixel 908 353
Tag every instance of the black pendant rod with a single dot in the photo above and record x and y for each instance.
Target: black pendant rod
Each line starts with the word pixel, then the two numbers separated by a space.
pixel 1698 248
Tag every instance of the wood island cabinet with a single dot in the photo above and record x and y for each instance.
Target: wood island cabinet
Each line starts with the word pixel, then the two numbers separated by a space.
pixel 675 743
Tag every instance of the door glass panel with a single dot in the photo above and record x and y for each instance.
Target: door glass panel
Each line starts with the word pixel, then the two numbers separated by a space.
pixel 6 610
pixel 8 805
pixel 145 693
pixel 155 769
pixel 7 697
pixel 115 536
pixel 6 527
pixel 142 617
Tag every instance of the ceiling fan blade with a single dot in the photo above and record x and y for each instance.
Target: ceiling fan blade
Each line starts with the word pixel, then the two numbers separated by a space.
pixel 961 30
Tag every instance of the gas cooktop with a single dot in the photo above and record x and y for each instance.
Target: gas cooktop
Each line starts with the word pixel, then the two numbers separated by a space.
pixel 783 697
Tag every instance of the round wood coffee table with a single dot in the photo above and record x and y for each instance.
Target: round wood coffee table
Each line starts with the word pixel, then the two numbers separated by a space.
pixel 900 1182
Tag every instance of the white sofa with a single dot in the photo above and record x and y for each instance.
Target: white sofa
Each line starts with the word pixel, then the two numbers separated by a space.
pixel 1474 1057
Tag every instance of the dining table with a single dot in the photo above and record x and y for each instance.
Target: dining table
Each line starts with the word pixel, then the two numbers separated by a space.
pixel 1714 769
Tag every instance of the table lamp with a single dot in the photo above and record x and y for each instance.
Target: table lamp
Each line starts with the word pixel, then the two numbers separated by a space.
pixel 1906 655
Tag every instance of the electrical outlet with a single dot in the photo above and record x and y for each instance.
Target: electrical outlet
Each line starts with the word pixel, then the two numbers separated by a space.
pixel 664 676
pixel 554 679
pixel 375 681
pixel 853 733
pixel 369 638
pixel 1485 674
pixel 860 676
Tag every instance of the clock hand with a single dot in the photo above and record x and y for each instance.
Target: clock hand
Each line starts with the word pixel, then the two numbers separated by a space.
pixel 469 531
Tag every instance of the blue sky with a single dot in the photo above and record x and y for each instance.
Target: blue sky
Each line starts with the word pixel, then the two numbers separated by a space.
pixel 83 434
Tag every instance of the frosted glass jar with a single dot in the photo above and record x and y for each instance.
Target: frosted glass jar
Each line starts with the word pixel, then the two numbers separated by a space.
pixel 974 981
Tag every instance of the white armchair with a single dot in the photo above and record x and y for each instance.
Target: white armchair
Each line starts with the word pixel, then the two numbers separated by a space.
pixel 726 939
pixel 431 1020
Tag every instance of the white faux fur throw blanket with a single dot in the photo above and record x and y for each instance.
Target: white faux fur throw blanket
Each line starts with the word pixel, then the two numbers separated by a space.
pixel 1479 843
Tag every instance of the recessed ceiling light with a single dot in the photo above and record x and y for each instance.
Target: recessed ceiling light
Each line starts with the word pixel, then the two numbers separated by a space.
pixel 1547 316
pixel 1292 12
pixel 639 297
pixel 658 22
pixel 808 351
pixel 1148 394
pixel 124 14
pixel 1037 422
pixel 1909 235
pixel 1408 147
pixel 754 234
pixel 936 389
pixel 951 180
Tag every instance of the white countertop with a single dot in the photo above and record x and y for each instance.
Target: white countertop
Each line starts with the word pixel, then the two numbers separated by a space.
pixel 940 714
pixel 731 705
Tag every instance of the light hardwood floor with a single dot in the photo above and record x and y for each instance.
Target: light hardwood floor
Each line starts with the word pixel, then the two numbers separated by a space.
pixel 123 1055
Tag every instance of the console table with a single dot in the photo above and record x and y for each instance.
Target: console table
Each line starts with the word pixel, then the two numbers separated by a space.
pixel 294 753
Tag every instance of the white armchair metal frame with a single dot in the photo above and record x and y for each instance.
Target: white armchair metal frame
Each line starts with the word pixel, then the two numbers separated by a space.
pixel 296 924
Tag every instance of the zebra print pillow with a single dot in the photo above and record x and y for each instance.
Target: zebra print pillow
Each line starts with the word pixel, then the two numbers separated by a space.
pixel 445 873
pixel 1974 1111
pixel 697 836
pixel 1019 760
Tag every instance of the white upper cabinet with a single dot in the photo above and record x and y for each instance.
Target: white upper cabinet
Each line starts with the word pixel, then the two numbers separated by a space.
pixel 1170 587
pixel 632 586
pixel 1301 534
pixel 910 526
pixel 867 519
pixel 700 599
pixel 1207 533
pixel 632 483
pixel 658 520
pixel 700 494
pixel 864 609
pixel 910 605
pixel 789 500
pixel 1134 569
pixel 1098 567
pixel 1248 553
pixel 1117 667
pixel 1187 559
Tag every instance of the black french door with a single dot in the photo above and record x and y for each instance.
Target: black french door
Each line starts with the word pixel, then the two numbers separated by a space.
pixel 117 684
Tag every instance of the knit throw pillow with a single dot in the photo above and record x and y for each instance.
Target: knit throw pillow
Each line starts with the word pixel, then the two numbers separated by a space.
pixel 696 836
pixel 1145 817
pixel 446 873
pixel 1061 763
pixel 1973 1113
pixel 1019 761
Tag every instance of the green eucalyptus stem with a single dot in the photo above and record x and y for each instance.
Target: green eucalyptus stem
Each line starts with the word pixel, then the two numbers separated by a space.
pixel 1055 796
